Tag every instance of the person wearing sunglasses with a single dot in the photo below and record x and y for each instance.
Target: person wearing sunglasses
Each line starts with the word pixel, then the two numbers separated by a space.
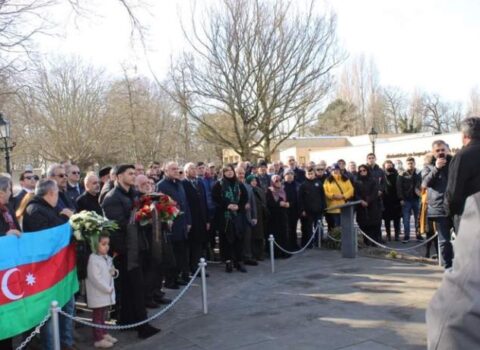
pixel 65 206
pixel 74 187
pixel 27 181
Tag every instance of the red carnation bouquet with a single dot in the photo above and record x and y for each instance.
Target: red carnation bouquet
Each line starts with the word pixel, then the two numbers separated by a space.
pixel 165 206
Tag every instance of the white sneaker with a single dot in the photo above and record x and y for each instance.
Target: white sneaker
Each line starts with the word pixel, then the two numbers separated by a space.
pixel 103 344
pixel 110 338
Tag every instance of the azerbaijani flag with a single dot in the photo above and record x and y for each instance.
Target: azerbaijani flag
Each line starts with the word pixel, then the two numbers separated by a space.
pixel 35 269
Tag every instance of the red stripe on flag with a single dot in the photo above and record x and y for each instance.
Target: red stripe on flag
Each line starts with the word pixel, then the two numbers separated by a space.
pixel 25 280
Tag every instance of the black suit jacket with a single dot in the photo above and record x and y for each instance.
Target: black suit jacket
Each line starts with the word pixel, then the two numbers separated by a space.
pixel 197 201
pixel 18 198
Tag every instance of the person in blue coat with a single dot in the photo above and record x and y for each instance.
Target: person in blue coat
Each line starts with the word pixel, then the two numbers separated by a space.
pixel 172 186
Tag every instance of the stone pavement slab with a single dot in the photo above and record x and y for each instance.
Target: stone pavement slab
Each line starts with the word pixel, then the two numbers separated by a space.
pixel 316 300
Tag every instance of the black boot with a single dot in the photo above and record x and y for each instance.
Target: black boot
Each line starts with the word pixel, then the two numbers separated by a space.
pixel 146 331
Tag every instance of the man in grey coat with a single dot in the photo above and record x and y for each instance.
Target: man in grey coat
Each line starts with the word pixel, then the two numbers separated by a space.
pixel 453 315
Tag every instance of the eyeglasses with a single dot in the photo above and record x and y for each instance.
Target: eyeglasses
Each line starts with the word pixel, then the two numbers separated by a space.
pixel 60 175
pixel 28 177
pixel 363 171
pixel 75 172
pixel 319 169
pixel 36 177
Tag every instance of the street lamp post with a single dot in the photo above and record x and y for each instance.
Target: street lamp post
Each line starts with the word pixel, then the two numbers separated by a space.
pixel 373 137
pixel 5 136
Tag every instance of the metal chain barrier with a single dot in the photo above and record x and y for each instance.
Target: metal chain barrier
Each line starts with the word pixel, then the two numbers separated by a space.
pixel 34 333
pixel 298 251
pixel 129 326
pixel 397 249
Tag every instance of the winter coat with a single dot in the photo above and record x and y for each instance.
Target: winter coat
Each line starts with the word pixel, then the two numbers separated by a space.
pixel 176 191
pixel 366 189
pixel 4 227
pixel 208 183
pixel 340 186
pixel 40 215
pixel 251 214
pixel 435 180
pixel 264 181
pixel 73 192
pixel 463 177
pixel 197 202
pixel 118 205
pixel 258 231
pixel 453 314
pixel 378 175
pixel 229 223
pixel 277 220
pixel 99 282
pixel 391 202
pixel 291 189
pixel 88 202
pixel 17 199
pixel 299 175
pixel 107 187
pixel 311 196
pixel 408 185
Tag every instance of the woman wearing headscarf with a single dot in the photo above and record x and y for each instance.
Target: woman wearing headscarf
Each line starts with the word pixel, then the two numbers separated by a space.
pixel 277 204
pixel 338 190
pixel 258 230
pixel 230 196
pixel 369 211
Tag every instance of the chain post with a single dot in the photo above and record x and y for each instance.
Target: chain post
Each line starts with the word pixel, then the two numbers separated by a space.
pixel 55 325
pixel 271 239
pixel 203 264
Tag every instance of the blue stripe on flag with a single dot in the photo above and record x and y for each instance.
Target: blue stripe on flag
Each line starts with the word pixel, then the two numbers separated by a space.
pixel 33 247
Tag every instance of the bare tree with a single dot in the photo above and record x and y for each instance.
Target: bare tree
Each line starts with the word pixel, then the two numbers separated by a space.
pixel 435 114
pixel 359 85
pixel 263 65
pixel 62 113
pixel 395 102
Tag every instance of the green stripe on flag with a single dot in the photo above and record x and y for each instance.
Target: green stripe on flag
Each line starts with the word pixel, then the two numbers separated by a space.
pixel 24 314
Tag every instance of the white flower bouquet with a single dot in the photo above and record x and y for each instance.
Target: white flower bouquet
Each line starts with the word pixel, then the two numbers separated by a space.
pixel 88 225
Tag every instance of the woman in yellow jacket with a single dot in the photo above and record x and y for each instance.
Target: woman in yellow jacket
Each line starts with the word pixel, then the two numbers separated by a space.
pixel 338 190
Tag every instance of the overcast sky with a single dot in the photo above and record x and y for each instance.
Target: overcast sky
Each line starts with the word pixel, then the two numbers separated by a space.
pixel 426 44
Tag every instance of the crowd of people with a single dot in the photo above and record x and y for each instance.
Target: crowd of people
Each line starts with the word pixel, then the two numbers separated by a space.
pixel 228 215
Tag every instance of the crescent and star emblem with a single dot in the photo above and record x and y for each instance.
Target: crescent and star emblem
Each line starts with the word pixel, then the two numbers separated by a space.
pixel 5 289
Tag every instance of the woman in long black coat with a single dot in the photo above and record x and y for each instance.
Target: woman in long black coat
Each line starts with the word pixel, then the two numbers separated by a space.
pixel 258 230
pixel 391 202
pixel 277 204
pixel 369 211
pixel 291 189
pixel 230 196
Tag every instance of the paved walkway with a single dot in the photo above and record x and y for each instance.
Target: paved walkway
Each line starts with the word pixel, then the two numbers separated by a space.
pixel 314 301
